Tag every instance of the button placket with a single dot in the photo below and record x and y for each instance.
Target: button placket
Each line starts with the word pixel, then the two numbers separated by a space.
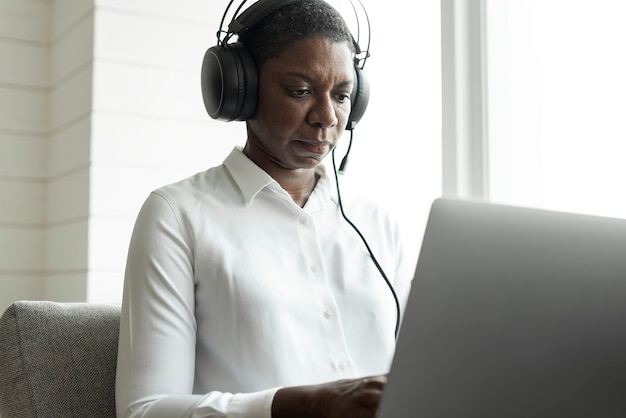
pixel 336 349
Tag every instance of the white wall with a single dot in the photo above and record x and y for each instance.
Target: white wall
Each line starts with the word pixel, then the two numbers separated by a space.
pixel 68 150
pixel 105 106
pixel 24 51
pixel 45 84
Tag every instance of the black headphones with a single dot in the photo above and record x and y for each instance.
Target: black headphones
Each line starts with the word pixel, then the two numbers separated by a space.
pixel 229 75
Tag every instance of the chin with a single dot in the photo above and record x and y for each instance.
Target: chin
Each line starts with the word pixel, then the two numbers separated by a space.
pixel 307 162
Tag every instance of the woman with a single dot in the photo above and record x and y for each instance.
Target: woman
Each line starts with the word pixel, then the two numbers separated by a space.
pixel 246 292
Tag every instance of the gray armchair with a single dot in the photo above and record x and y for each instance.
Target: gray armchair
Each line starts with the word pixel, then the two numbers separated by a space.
pixel 58 359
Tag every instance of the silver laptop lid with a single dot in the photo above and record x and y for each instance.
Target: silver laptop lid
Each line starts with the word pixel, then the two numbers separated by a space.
pixel 513 312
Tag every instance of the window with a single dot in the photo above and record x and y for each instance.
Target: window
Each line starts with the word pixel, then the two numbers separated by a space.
pixel 556 104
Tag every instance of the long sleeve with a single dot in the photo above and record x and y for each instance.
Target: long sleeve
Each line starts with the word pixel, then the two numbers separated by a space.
pixel 156 360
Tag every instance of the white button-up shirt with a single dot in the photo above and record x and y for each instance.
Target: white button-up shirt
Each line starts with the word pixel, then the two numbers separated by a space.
pixel 232 291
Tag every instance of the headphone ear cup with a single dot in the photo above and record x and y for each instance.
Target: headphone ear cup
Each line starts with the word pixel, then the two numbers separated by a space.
pixel 229 82
pixel 360 97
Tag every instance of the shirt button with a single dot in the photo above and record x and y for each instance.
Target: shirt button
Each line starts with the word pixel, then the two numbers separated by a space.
pixel 314 268
pixel 341 365
pixel 303 220
pixel 328 314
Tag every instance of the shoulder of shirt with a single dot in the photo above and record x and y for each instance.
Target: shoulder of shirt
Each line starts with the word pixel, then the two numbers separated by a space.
pixel 236 175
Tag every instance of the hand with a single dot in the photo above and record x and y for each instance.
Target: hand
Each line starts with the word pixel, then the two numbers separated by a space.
pixel 353 398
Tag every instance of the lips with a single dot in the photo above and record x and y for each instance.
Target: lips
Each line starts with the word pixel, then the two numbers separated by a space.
pixel 315 147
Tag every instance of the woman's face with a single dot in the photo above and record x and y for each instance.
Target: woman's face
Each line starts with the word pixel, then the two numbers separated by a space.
pixel 303 105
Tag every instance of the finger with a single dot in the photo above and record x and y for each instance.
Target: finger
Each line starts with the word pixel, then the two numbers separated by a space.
pixel 375 381
pixel 368 396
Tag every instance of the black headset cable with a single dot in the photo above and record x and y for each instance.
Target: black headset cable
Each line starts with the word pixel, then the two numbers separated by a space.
pixel 369 250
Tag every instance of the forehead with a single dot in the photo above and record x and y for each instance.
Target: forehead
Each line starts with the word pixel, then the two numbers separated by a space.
pixel 315 54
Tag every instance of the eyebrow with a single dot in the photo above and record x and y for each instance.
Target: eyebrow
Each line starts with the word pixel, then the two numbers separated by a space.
pixel 309 79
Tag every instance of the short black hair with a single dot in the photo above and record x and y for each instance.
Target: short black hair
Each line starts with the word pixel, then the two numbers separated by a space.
pixel 294 22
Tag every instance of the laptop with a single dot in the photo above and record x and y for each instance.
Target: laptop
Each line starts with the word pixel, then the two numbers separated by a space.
pixel 513 312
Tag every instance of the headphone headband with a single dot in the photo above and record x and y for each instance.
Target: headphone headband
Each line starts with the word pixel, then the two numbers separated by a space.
pixel 255 13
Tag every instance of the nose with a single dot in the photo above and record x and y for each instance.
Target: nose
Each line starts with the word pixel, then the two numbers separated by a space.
pixel 323 112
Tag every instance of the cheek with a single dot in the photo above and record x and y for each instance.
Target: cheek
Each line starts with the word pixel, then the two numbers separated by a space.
pixel 275 120
pixel 343 113
pixel 282 119
pixel 274 108
pixel 271 124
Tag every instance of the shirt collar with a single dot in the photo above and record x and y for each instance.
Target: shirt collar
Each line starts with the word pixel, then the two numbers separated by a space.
pixel 251 178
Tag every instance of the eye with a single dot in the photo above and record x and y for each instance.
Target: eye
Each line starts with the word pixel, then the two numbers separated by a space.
pixel 300 92
pixel 343 97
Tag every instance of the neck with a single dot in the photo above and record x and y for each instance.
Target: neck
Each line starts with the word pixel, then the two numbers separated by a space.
pixel 299 183
pixel 300 189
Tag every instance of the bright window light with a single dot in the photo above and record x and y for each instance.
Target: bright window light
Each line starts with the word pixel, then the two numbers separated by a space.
pixel 556 72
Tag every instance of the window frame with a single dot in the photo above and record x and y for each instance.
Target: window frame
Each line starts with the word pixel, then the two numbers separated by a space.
pixel 465 142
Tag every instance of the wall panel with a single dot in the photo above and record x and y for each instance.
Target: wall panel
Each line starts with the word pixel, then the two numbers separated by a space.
pixel 21 203
pixel 67 197
pixel 22 155
pixel 105 286
pixel 16 286
pixel 24 28
pixel 148 91
pixel 153 142
pixel 20 250
pixel 70 101
pixel 71 52
pixel 25 20
pixel 188 10
pixel 69 147
pixel 65 247
pixel 66 15
pixel 145 40
pixel 27 65
pixel 23 109
pixel 65 286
